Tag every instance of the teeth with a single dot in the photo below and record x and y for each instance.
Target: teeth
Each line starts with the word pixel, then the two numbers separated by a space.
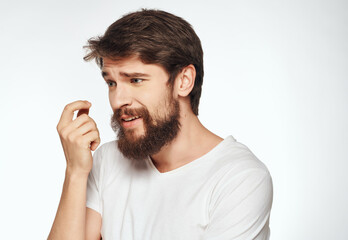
pixel 132 118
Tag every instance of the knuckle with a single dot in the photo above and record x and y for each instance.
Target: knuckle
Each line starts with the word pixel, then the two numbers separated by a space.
pixel 63 133
pixel 67 107
pixel 91 125
pixel 94 134
pixel 88 118
pixel 70 137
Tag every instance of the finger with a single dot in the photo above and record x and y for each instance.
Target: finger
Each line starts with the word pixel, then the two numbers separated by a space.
pixel 68 112
pixel 95 144
pixel 85 128
pixel 76 127
pixel 92 137
pixel 81 120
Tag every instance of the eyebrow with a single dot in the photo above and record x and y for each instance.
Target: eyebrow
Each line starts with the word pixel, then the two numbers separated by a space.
pixel 129 75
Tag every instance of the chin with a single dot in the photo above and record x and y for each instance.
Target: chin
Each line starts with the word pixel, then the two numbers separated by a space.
pixel 134 134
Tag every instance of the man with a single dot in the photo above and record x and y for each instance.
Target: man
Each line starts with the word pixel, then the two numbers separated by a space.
pixel 166 176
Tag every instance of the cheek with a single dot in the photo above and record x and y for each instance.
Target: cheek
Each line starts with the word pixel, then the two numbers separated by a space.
pixel 163 106
pixel 151 99
pixel 111 102
pixel 155 98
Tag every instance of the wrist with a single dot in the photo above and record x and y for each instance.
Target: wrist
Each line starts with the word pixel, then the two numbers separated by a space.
pixel 75 174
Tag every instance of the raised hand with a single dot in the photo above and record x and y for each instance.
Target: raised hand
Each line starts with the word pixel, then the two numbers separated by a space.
pixel 78 137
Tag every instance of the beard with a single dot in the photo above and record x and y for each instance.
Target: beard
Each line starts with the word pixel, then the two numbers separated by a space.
pixel 158 132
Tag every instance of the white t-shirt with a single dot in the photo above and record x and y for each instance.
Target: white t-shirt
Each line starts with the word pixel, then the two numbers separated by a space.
pixel 225 194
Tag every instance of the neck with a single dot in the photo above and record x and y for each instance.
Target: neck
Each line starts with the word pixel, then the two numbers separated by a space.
pixel 192 142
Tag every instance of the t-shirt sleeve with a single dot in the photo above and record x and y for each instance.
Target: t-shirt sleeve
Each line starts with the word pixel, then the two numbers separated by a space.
pixel 94 182
pixel 240 208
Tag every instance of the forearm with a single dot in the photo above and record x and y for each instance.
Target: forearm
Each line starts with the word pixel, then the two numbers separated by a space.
pixel 69 222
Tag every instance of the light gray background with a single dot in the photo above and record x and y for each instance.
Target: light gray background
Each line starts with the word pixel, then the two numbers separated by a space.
pixel 275 79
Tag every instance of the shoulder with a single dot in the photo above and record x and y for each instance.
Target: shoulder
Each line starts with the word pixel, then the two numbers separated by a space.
pixel 238 169
pixel 234 158
pixel 242 195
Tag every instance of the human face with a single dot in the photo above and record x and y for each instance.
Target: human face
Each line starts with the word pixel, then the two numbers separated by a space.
pixel 140 91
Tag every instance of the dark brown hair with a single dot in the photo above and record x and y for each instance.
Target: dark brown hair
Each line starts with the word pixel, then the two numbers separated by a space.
pixel 156 37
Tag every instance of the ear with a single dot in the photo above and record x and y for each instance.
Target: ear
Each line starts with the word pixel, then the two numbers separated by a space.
pixel 186 80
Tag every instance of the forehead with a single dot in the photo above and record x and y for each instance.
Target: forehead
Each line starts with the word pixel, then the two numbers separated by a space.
pixel 133 61
pixel 131 65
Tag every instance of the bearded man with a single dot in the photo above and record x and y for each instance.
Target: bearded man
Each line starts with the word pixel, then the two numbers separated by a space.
pixel 165 176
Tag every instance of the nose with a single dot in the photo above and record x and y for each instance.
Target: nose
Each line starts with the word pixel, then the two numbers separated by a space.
pixel 120 97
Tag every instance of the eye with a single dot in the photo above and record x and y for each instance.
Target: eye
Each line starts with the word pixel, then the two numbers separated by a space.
pixel 136 80
pixel 110 83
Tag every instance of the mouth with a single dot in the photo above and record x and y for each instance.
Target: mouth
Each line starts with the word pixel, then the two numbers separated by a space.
pixel 130 121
